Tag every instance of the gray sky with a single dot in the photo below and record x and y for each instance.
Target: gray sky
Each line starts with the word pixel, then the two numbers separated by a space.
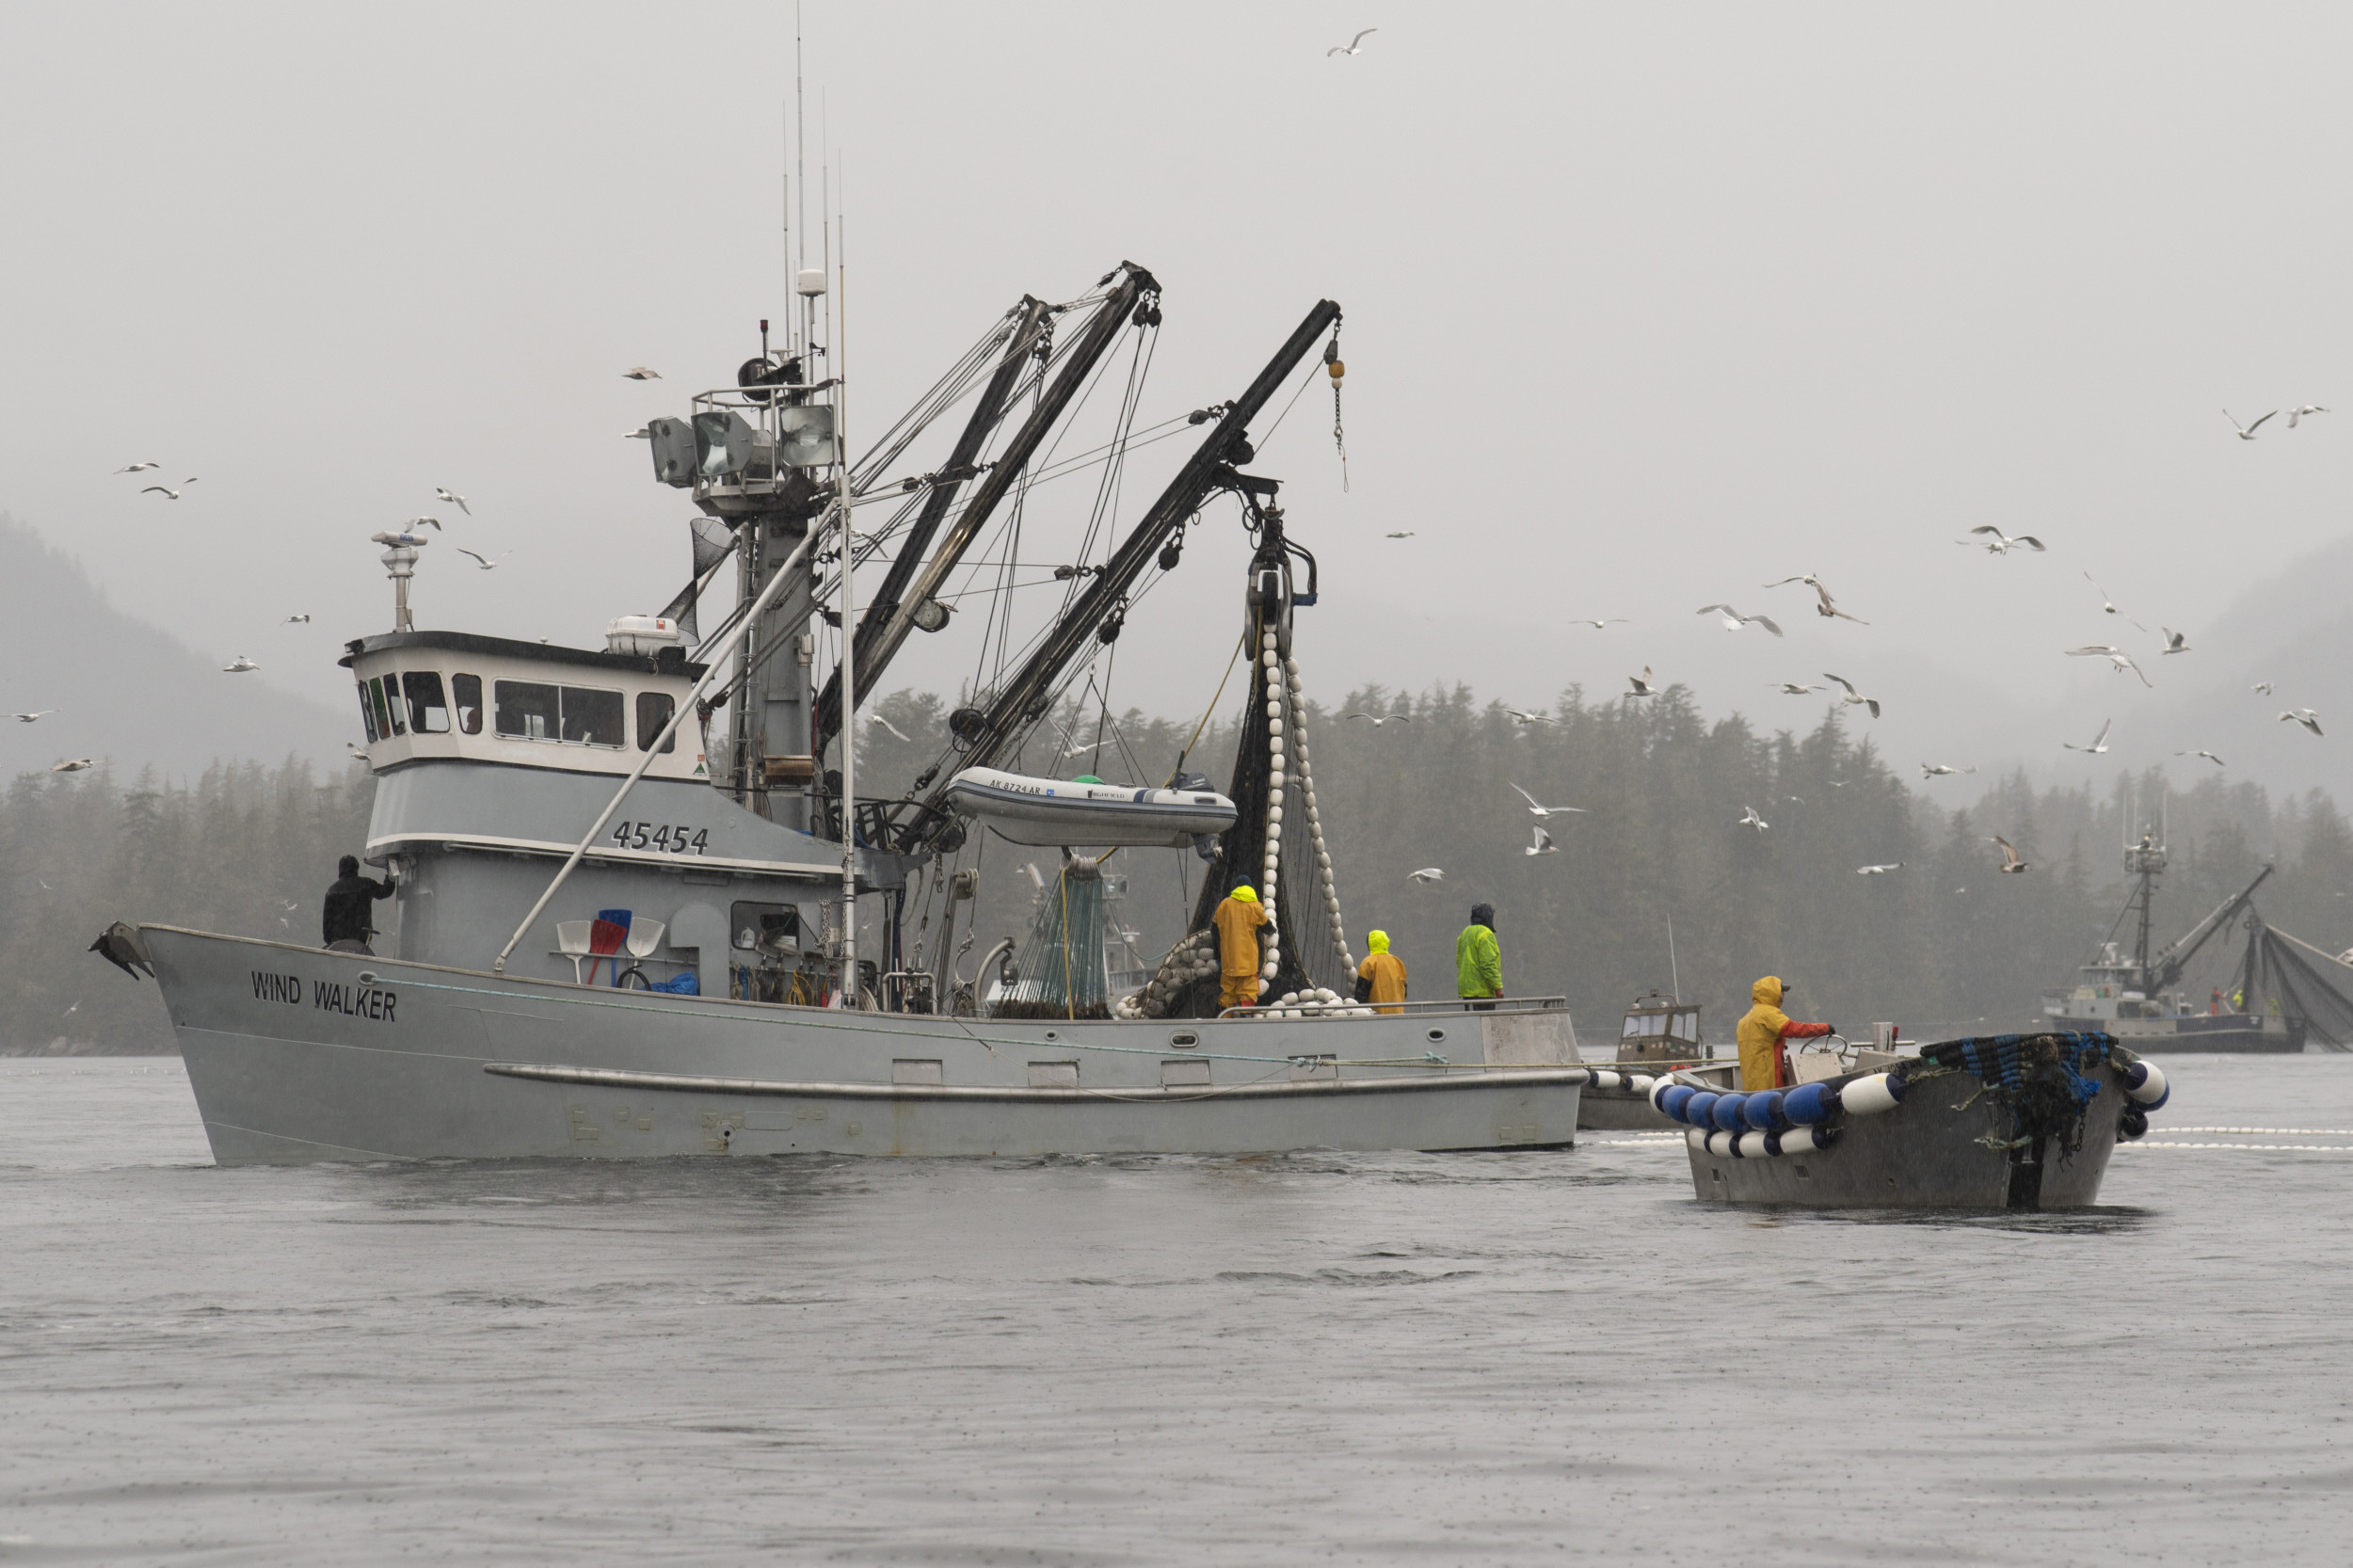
pixel 1645 306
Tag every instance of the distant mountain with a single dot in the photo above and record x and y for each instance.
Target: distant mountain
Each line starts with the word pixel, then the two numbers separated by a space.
pixel 124 689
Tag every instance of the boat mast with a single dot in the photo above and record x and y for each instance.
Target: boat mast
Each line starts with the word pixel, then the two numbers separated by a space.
pixel 848 668
pixel 2145 859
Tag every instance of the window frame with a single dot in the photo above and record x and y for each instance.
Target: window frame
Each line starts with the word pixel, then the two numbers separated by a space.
pixel 646 732
pixel 458 706
pixel 419 713
pixel 498 710
pixel 619 716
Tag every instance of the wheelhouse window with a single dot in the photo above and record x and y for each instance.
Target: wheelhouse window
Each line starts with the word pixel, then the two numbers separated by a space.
pixel 427 713
pixel 367 716
pixel 653 711
pixel 592 717
pixel 526 710
pixel 388 704
pixel 467 690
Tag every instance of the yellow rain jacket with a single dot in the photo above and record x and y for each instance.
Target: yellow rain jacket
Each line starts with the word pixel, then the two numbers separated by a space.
pixel 1238 921
pixel 1761 1031
pixel 1385 971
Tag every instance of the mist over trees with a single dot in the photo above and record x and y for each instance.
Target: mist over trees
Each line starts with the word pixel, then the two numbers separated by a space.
pixel 1943 942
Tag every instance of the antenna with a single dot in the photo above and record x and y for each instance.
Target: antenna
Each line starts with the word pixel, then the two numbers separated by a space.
pixel 1673 978
pixel 800 143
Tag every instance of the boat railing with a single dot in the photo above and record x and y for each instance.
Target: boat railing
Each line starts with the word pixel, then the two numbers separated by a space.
pixel 1416 1009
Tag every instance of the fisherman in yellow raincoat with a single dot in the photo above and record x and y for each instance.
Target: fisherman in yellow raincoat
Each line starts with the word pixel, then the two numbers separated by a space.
pixel 1764 1064
pixel 1238 921
pixel 1381 978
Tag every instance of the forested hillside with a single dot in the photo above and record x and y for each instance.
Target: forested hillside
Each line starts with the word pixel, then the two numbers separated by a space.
pixel 1659 839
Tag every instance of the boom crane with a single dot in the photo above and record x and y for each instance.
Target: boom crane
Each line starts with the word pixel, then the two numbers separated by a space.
pixel 2161 971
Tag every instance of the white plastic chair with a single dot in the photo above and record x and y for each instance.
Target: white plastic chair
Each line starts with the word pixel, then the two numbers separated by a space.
pixel 571 940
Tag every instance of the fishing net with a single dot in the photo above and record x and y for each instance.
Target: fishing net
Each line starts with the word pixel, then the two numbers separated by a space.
pixel 1064 971
pixel 2046 1082
pixel 2276 977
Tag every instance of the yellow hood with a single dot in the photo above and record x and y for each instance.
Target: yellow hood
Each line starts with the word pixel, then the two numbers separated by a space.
pixel 1767 992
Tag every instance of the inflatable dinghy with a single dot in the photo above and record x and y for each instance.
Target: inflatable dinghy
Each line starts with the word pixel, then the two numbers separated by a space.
pixel 1082 813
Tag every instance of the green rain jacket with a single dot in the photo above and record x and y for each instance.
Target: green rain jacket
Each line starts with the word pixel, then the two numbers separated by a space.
pixel 1478 962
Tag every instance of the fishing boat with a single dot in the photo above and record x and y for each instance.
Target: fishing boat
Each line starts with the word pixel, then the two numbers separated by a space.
pixel 2009 1122
pixel 1657 1035
pixel 649 902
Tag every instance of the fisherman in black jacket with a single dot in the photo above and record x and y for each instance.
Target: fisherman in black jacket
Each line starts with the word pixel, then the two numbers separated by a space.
pixel 347 923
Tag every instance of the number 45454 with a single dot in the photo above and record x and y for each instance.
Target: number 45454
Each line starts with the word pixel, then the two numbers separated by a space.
pixel 662 837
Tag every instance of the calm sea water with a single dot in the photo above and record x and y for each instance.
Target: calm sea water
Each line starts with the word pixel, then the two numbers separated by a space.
pixel 1398 1358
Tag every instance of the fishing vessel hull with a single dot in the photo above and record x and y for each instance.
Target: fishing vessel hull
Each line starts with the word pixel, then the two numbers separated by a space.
pixel 2231 1034
pixel 298 1055
pixel 1624 1106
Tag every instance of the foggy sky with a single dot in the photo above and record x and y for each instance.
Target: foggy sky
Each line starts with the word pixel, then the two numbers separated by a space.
pixel 1644 307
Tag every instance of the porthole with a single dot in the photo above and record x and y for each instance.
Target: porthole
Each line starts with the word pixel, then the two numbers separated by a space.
pixel 1437 1034
pixel 1052 1036
pixel 1184 1039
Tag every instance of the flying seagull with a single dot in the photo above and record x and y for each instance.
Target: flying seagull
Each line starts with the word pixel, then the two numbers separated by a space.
pixel 2098 742
pixel 2108 605
pixel 1353 46
pixel 487 563
pixel 1536 811
pixel 239 666
pixel 2207 754
pixel 1642 685
pixel 878 718
pixel 2009 856
pixel 295 620
pixel 1791 688
pixel 1852 696
pixel 1426 875
pixel 1406 534
pixel 2295 414
pixel 2001 543
pixel 1938 770
pixel 448 497
pixel 355 749
pixel 139 467
pixel 73 764
pixel 2246 432
pixel 32 718
pixel 1377 720
pixel 1596 625
pixel 640 373
pixel 1750 819
pixel 2304 716
pixel 1828 607
pixel 1525 719
pixel 167 492
pixel 2114 655
pixel 1878 871
pixel 415 523
pixel 1542 844
pixel 1078 749
pixel 2262 686
pixel 1735 620
pixel 2175 642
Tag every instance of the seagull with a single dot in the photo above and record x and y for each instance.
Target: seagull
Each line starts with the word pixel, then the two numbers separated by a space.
pixel 2246 432
pixel 1536 811
pixel 1596 625
pixel 1642 685
pixel 355 749
pixel 1426 875
pixel 1542 844
pixel 1735 620
pixel 1406 534
pixel 1353 46
pixel 1938 770
pixel 415 523
pixel 2262 686
pixel 1071 751
pixel 295 620
pixel 1791 688
pixel 239 666
pixel 878 718
pixel 1852 696
pixel 2114 655
pixel 32 718
pixel 2295 414
pixel 1828 607
pixel 448 497
pixel 2304 716
pixel 2098 742
pixel 2009 856
pixel 1750 819
pixel 1878 871
pixel 1526 719
pixel 167 492
pixel 1378 721
pixel 2107 604
pixel 2207 754
pixel 2175 642
pixel 640 373
pixel 487 563
pixel 139 467
pixel 643 433
pixel 2001 543
pixel 73 764
pixel 1839 783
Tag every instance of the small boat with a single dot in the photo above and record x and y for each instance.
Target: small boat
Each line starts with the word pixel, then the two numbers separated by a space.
pixel 1659 1035
pixel 1059 811
pixel 2007 1121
